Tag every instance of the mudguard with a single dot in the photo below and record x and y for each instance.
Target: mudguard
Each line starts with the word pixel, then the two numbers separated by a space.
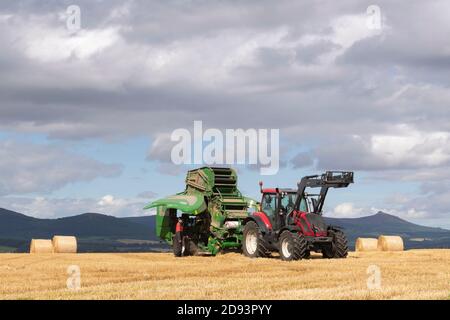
pixel 166 211
pixel 261 220
pixel 193 203
pixel 165 221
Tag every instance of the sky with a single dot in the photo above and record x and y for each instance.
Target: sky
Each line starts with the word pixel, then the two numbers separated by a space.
pixel 86 114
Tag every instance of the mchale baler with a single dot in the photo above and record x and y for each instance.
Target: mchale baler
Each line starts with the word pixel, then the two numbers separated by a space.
pixel 207 216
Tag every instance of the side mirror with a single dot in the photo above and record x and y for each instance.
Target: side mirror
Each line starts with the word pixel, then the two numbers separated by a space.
pixel 261 186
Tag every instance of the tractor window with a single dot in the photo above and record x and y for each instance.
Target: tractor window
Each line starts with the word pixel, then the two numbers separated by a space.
pixel 269 204
pixel 287 202
pixel 303 205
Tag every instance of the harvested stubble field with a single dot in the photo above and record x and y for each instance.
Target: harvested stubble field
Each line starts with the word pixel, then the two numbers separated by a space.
pixel 414 274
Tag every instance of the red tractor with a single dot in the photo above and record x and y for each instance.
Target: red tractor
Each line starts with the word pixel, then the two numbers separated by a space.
pixel 290 221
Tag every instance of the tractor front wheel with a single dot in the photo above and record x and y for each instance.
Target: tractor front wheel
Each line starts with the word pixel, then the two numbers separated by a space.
pixel 292 246
pixel 253 243
pixel 338 248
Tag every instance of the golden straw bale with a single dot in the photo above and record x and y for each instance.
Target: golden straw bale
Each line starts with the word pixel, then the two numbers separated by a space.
pixel 41 246
pixel 390 243
pixel 64 244
pixel 366 244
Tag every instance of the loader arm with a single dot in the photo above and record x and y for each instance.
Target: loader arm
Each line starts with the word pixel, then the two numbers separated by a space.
pixel 329 179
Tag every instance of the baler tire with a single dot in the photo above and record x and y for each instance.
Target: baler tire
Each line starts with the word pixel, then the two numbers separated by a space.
pixel 339 248
pixel 297 243
pixel 261 250
pixel 186 250
pixel 177 244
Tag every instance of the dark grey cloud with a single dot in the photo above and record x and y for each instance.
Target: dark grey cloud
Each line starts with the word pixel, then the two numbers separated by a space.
pixel 275 68
pixel 28 168
pixel 302 159
pixel 235 63
pixel 311 69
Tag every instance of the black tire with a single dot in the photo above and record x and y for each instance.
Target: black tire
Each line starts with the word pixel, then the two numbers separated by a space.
pixel 186 249
pixel 339 247
pixel 191 248
pixel 292 246
pixel 253 243
pixel 177 244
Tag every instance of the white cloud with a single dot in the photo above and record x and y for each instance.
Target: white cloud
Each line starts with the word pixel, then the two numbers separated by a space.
pixel 406 211
pixel 48 42
pixel 108 200
pixel 404 148
pixel 410 146
pixel 48 207
pixel 346 210
pixel 346 30
pixel 121 206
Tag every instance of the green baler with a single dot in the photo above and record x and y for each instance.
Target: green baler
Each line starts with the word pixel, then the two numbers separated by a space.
pixel 207 216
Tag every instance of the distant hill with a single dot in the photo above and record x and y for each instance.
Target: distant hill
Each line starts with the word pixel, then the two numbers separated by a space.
pixel 97 232
pixel 16 225
pixel 103 233
pixel 148 221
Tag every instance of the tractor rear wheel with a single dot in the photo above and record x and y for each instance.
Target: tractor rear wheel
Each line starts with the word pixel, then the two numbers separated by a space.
pixel 292 246
pixel 339 248
pixel 253 243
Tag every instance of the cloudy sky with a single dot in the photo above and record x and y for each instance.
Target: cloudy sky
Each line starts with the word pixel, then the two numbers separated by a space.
pixel 86 115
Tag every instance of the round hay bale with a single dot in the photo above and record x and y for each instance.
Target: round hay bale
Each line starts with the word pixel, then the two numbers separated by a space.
pixel 64 244
pixel 390 243
pixel 366 244
pixel 41 246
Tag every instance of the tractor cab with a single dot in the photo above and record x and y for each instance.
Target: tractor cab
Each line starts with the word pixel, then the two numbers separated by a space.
pixel 278 204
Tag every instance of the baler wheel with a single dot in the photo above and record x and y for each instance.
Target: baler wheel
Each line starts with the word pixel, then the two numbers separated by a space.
pixel 178 244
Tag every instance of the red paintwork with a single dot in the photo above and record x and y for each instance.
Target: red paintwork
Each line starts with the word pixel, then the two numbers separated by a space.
pixel 301 215
pixel 298 216
pixel 179 227
pixel 269 190
pixel 264 218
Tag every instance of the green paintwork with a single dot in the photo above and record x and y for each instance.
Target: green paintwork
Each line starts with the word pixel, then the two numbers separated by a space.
pixel 210 192
pixel 163 224
pixel 193 203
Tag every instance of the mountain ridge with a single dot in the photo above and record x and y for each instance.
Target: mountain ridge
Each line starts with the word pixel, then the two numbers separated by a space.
pixel 101 232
